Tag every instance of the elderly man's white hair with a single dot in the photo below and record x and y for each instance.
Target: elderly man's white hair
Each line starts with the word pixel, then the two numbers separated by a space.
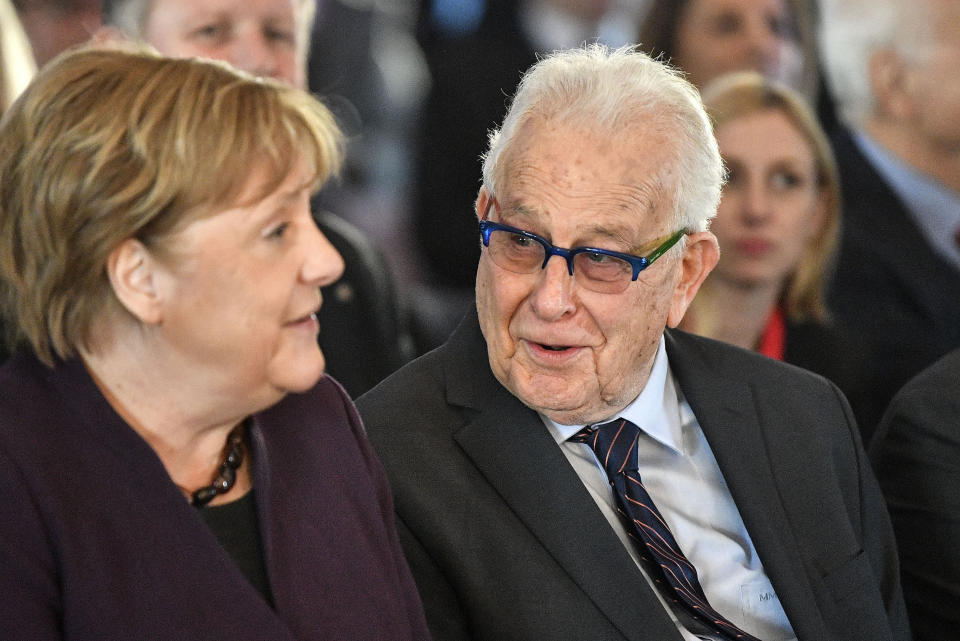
pixel 611 91
pixel 852 31
pixel 130 17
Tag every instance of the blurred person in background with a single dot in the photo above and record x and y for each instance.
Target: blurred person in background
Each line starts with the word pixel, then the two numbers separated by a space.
pixel 778 227
pixel 55 25
pixel 709 38
pixel 173 462
pixel 366 63
pixel 892 66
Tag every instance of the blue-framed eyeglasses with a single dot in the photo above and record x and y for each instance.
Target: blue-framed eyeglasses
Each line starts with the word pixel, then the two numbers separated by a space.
pixel 599 270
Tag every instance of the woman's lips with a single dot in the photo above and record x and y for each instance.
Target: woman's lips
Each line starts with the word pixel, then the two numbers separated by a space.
pixel 754 246
pixel 308 322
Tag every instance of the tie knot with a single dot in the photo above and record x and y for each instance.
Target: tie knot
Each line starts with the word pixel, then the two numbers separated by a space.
pixel 614 443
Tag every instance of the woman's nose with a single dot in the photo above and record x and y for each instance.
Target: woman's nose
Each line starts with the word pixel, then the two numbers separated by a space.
pixel 322 263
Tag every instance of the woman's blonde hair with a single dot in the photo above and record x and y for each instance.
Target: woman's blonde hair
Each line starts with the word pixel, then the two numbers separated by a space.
pixel 741 94
pixel 107 145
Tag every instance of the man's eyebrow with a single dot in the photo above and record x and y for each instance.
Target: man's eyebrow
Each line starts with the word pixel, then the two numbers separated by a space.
pixel 519 210
pixel 622 235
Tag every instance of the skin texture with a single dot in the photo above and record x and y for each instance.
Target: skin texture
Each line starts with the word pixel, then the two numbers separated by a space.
pixel 221 309
pixel 772 206
pixel 237 291
pixel 257 36
pixel 576 188
pixel 719 36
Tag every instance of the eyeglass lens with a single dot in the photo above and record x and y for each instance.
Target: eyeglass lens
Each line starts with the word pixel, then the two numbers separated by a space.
pixel 524 255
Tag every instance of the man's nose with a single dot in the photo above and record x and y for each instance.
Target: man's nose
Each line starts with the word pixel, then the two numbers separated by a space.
pixel 553 293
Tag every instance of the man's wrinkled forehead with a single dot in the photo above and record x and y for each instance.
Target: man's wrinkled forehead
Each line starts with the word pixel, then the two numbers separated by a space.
pixel 632 172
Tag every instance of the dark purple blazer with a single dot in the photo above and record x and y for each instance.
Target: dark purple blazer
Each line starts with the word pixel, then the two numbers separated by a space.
pixel 96 542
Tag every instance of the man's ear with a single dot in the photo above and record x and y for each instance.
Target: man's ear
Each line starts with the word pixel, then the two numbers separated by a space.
pixel 132 270
pixel 483 198
pixel 700 256
pixel 890 84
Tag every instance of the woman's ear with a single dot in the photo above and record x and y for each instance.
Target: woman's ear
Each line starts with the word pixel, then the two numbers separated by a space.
pixel 132 270
pixel 700 255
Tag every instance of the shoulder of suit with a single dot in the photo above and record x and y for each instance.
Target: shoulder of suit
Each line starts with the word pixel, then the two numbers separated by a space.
pixel 405 387
pixel 725 359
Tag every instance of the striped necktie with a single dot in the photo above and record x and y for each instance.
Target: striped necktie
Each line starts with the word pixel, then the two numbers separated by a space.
pixel 615 445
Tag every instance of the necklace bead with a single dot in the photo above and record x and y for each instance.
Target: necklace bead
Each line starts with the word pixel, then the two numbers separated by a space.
pixel 226 474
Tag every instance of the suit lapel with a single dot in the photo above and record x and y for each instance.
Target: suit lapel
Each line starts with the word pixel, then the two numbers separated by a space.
pixel 723 402
pixel 514 451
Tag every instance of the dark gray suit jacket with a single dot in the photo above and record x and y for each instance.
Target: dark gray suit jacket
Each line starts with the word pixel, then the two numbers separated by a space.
pixel 506 543
pixel 916 452
pixel 890 288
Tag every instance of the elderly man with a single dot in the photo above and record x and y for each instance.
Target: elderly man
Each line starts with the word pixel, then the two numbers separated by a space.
pixel 361 333
pixel 516 450
pixel 892 66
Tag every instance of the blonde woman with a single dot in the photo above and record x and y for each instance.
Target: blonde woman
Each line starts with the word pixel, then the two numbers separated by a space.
pixel 777 226
pixel 174 464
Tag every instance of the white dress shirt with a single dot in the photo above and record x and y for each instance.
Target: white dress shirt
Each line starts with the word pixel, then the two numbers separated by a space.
pixel 681 475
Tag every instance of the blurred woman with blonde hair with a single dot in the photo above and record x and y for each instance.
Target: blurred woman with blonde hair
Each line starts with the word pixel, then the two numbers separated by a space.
pixel 777 226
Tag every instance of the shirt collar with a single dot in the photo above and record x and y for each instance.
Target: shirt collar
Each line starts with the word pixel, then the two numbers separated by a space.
pixel 656 410
pixel 934 207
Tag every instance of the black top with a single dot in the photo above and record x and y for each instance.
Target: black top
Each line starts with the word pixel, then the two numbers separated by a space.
pixel 235 526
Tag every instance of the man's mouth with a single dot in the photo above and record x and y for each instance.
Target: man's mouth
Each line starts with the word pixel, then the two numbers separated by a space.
pixel 554 348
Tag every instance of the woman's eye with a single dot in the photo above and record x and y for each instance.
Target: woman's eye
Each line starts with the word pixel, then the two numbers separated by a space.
pixel 209 31
pixel 278 231
pixel 280 36
pixel 785 180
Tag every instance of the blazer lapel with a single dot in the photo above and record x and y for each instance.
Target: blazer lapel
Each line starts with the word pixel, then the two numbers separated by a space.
pixel 722 401
pixel 513 449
